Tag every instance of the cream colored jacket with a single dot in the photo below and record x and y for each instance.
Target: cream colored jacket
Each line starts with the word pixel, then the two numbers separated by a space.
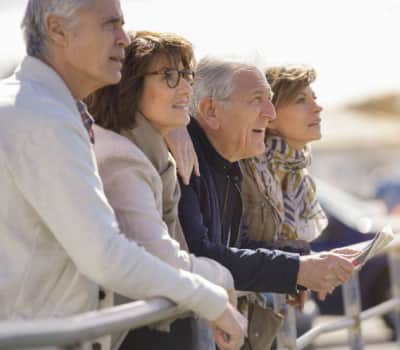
pixel 59 238
pixel 135 191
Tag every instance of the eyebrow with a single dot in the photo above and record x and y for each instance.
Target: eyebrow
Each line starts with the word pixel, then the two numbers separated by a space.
pixel 261 91
pixel 114 19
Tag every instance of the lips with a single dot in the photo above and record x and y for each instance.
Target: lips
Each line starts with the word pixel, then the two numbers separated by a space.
pixel 315 123
pixel 118 59
pixel 184 104
pixel 262 130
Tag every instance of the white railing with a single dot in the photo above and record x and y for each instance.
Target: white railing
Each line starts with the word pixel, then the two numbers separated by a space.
pixel 71 332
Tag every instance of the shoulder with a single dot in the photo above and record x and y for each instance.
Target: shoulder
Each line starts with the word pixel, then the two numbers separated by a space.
pixel 113 150
pixel 28 105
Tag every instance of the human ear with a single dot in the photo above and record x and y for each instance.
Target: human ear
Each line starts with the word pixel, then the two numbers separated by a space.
pixel 207 110
pixel 56 28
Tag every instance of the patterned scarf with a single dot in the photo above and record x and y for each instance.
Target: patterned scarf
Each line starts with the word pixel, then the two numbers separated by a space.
pixel 296 210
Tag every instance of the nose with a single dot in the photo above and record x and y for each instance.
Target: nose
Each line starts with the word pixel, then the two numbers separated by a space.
pixel 317 107
pixel 123 39
pixel 268 110
pixel 184 87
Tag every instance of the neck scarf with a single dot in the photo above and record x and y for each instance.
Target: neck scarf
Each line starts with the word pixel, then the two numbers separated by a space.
pixel 281 174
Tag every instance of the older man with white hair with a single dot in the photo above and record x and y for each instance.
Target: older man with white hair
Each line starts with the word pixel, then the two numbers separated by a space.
pixel 59 237
pixel 231 110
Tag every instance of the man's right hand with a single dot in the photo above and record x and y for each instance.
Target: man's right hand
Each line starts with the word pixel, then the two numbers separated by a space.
pixel 324 271
pixel 230 329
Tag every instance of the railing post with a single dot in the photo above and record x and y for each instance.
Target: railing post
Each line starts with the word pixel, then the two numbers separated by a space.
pixel 352 307
pixel 394 263
pixel 286 337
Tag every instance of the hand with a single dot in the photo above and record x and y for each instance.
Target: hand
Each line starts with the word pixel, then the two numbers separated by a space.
pixel 324 271
pixel 346 252
pixel 322 295
pixel 298 300
pixel 230 329
pixel 181 146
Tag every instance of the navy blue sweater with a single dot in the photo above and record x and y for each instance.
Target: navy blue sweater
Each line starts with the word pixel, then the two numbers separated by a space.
pixel 210 211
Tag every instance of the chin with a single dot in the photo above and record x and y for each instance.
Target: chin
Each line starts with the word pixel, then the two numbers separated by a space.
pixel 257 151
pixel 316 137
pixel 182 120
pixel 112 78
pixel 115 79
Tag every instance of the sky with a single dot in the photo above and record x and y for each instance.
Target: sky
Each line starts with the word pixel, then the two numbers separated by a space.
pixel 353 44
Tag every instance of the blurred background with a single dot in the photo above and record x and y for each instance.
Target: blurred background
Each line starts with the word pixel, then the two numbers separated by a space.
pixel 353 45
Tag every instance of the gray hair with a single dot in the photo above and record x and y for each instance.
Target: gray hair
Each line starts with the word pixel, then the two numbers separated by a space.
pixel 34 22
pixel 215 79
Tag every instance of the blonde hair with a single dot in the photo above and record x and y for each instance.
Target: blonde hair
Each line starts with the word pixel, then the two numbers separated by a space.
pixel 287 81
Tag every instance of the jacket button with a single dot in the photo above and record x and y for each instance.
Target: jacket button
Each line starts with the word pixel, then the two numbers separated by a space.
pixel 96 346
pixel 102 294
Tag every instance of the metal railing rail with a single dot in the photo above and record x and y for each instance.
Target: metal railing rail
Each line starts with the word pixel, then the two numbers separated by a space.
pixel 345 322
pixel 73 331
pixel 87 326
pixel 353 318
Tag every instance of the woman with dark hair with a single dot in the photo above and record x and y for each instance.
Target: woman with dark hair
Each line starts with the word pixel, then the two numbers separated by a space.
pixel 138 172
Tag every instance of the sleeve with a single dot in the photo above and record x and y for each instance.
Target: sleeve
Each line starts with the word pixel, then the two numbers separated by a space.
pixel 128 187
pixel 302 248
pixel 55 170
pixel 257 269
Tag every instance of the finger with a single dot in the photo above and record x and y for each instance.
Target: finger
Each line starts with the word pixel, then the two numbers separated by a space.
pixel 220 339
pixel 345 269
pixel 342 276
pixel 183 176
pixel 346 266
pixel 321 295
pixel 189 161
pixel 225 341
pixel 184 166
pixel 291 302
pixel 196 166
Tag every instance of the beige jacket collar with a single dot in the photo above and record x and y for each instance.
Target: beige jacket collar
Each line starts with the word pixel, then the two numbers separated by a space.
pixel 152 143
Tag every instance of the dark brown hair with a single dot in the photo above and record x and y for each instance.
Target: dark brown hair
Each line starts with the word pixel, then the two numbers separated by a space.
pixel 114 107
pixel 287 81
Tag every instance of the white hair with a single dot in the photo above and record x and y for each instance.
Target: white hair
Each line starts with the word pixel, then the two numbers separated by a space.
pixel 215 79
pixel 34 22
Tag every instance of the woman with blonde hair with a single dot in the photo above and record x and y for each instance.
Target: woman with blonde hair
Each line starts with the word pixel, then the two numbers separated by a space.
pixel 279 194
pixel 139 174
